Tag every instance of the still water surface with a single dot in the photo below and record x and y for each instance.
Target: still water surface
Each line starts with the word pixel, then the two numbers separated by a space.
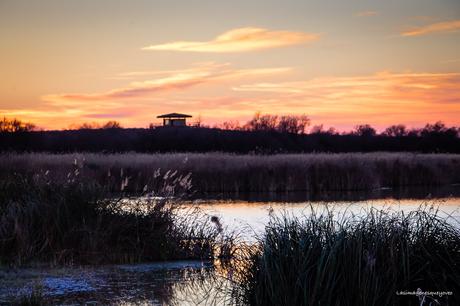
pixel 250 218
pixel 188 282
pixel 170 283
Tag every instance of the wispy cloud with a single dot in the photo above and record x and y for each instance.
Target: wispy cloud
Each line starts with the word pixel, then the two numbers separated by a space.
pixel 173 80
pixel 379 99
pixel 435 87
pixel 240 40
pixel 149 92
pixel 366 13
pixel 439 27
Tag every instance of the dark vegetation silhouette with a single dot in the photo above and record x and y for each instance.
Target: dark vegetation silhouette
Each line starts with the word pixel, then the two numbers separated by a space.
pixel 364 130
pixel 354 260
pixel 15 125
pixel 74 219
pixel 262 134
pixel 96 126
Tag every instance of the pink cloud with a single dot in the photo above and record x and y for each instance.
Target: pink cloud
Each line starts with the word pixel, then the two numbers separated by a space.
pixel 379 99
pixel 177 80
pixel 439 27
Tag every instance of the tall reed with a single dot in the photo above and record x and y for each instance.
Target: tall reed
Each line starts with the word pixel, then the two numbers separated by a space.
pixel 372 260
pixel 229 173
pixel 80 220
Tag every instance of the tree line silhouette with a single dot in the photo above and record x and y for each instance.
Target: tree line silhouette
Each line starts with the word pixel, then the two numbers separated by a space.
pixel 262 134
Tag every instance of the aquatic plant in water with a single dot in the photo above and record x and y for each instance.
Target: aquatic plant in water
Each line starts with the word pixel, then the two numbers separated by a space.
pixel 374 259
pixel 78 220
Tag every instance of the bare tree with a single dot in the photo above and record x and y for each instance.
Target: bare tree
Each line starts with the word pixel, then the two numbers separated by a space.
pixel 319 129
pixel 198 121
pixel 364 130
pixel 89 126
pixel 439 129
pixel 112 125
pixel 285 124
pixel 231 125
pixel 268 122
pixel 397 130
pixel 15 125
pixel 293 124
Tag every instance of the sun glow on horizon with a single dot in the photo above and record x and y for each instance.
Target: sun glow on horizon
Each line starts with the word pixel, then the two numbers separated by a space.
pixel 355 64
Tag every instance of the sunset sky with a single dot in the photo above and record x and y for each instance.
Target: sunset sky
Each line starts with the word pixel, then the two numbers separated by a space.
pixel 341 62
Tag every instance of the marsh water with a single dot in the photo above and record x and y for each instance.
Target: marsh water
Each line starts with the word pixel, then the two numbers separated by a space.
pixel 196 282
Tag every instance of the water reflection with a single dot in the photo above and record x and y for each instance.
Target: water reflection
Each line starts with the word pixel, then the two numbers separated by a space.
pixel 192 282
pixel 250 218
pixel 410 192
pixel 170 283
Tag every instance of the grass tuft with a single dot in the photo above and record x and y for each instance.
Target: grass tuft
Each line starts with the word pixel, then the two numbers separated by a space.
pixel 81 221
pixel 319 260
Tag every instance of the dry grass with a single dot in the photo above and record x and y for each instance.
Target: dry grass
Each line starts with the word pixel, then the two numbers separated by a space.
pixel 43 219
pixel 220 172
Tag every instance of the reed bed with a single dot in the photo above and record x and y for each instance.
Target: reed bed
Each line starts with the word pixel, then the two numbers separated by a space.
pixel 43 219
pixel 371 260
pixel 229 173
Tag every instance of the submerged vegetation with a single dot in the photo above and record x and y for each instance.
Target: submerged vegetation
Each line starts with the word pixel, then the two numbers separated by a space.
pixel 230 173
pixel 372 260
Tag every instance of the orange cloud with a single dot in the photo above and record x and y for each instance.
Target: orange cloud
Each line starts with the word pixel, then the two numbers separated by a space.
pixel 379 83
pixel 380 99
pixel 439 27
pixel 136 103
pixel 240 40
pixel 171 80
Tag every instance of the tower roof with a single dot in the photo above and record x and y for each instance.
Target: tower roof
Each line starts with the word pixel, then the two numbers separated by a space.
pixel 174 115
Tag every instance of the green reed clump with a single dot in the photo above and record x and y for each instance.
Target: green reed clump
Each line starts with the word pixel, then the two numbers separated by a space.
pixel 80 220
pixel 355 261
